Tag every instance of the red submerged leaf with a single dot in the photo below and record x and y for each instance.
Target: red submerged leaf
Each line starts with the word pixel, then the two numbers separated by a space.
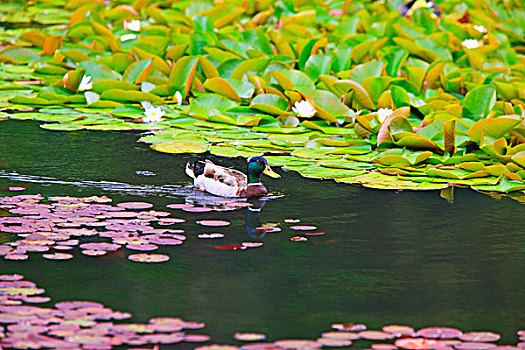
pixel 230 247
pixel 318 233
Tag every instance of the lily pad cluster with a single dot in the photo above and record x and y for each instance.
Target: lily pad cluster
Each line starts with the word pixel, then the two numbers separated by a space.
pixel 78 324
pixel 361 92
pixel 55 226
pixel 91 325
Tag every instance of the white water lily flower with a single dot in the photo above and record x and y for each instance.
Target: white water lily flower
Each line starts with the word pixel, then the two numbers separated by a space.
pixel 303 109
pixel 178 98
pixel 383 113
pixel 471 43
pixel 153 114
pixel 91 97
pixel 85 83
pixel 127 37
pixel 132 25
pixel 480 29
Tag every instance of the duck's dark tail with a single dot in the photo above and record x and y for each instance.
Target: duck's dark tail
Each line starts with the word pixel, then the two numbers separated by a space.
pixel 195 169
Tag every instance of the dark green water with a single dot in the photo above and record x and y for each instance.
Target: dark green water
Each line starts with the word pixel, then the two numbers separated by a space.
pixel 406 258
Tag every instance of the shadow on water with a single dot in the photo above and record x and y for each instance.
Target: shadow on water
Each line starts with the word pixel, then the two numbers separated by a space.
pixel 387 257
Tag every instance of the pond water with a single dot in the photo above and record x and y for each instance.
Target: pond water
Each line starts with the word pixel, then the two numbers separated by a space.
pixel 386 257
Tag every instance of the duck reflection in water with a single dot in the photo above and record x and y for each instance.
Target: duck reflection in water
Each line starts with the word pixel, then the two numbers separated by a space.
pixel 253 209
pixel 253 219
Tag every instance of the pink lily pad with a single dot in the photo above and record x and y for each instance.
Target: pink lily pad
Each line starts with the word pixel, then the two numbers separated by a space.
pixel 375 335
pixel 474 346
pixel 16 188
pixel 345 335
pixel 353 327
pixel 261 346
pixel 135 205
pixel 166 241
pixel 416 343
pixel 93 252
pixel 439 332
pixel 213 222
pixel 142 247
pixel 58 256
pixel 249 336
pixel 332 342
pixel 148 258
pixel 196 209
pixel 210 235
pixel 252 244
pixel 36 299
pixel 196 338
pixel 381 346
pixel 298 239
pixel 298 344
pixel 14 277
pixel 292 221
pixel 398 330
pixel 170 221
pixel 100 246
pixel 179 206
pixel 16 257
pixel 480 337
pixel 303 227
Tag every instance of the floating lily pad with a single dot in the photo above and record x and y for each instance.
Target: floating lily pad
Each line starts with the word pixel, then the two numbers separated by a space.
pixel 249 336
pixel 479 337
pixel 58 256
pixel 303 227
pixel 210 235
pixel 213 222
pixel 135 205
pixel 149 258
pixel 416 343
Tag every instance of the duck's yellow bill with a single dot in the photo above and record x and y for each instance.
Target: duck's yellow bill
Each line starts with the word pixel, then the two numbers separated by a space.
pixel 268 171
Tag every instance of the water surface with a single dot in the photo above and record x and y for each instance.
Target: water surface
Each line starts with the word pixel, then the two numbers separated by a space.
pixel 387 257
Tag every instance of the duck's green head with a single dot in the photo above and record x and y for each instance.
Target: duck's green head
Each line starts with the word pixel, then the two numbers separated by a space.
pixel 257 166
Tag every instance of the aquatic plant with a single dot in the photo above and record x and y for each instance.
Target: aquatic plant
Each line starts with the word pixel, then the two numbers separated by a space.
pixel 228 77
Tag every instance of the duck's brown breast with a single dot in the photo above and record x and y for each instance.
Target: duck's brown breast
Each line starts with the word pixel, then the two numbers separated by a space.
pixel 253 190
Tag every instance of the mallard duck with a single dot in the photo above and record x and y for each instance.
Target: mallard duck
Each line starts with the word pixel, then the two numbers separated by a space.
pixel 225 182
